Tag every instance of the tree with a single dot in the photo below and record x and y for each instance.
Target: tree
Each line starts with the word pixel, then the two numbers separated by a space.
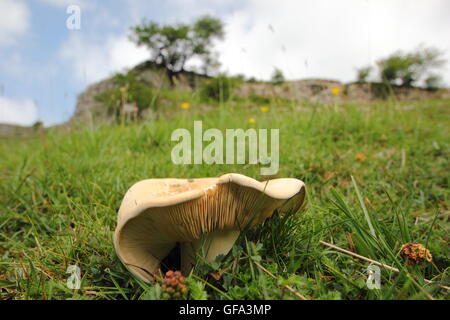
pixel 172 46
pixel 38 125
pixel 363 74
pixel 433 82
pixel 408 68
pixel 277 76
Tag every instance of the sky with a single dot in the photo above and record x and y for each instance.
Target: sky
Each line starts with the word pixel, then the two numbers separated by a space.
pixel 44 65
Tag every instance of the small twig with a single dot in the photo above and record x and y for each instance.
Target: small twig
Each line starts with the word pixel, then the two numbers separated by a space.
pixel 45 273
pixel 371 261
pixel 298 294
pixel 359 256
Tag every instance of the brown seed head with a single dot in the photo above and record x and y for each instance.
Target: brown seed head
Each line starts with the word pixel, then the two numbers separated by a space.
pixel 416 253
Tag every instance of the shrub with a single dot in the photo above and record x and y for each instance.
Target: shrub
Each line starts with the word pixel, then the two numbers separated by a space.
pixel 433 82
pixel 363 74
pixel 259 100
pixel 381 90
pixel 277 76
pixel 317 88
pixel 130 90
pixel 220 88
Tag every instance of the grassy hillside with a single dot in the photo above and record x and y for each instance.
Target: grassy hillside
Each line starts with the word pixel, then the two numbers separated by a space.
pixel 60 192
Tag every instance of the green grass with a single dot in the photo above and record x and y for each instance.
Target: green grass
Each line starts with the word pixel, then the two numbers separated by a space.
pixel 60 192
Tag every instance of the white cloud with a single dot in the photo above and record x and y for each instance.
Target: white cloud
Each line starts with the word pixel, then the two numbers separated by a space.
pixel 20 112
pixel 65 3
pixel 14 21
pixel 328 39
pixel 312 38
pixel 91 61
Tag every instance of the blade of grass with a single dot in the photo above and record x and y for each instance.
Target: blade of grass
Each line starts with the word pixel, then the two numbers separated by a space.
pixel 363 207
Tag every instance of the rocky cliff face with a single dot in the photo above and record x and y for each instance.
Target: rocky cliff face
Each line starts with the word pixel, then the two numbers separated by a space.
pixel 315 91
pixel 328 91
pixel 89 107
pixel 14 130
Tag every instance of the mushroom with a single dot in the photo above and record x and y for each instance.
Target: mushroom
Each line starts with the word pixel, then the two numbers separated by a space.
pixel 204 214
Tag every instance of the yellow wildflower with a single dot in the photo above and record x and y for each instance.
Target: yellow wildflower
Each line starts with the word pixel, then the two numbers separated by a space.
pixel 185 105
pixel 251 120
pixel 335 91
pixel 264 109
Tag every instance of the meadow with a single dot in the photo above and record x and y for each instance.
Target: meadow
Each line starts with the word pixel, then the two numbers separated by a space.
pixel 376 176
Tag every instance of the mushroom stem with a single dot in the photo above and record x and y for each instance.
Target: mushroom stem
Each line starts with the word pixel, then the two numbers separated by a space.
pixel 211 245
pixel 187 257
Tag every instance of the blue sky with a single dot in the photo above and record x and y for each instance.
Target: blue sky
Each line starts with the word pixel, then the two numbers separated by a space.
pixel 44 65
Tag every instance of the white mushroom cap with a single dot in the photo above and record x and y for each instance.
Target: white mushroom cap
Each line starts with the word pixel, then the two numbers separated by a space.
pixel 156 214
